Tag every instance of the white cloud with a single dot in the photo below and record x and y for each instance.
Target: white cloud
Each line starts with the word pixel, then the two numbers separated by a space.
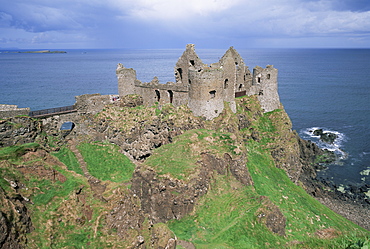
pixel 200 20
pixel 167 10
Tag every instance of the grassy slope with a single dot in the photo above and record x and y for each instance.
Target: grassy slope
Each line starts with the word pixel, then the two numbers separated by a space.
pixel 59 216
pixel 227 216
pixel 105 162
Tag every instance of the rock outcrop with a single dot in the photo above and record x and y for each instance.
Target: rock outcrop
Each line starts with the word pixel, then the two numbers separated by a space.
pixel 19 130
pixel 15 221
pixel 165 198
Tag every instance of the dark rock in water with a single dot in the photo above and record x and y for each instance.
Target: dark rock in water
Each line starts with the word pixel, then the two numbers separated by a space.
pixel 318 132
pixel 327 137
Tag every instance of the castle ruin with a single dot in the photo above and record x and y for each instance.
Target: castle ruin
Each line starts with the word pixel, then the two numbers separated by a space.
pixel 205 88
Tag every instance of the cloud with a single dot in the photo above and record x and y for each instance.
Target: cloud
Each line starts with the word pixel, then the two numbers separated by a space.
pixel 211 22
pixel 178 9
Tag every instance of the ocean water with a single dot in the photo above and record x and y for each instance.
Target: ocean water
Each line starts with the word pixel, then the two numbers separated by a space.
pixel 319 88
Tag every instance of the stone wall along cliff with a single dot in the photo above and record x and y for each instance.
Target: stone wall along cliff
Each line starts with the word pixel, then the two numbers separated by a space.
pixel 8 111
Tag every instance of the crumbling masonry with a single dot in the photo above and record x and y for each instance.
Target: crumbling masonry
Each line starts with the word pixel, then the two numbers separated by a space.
pixel 205 88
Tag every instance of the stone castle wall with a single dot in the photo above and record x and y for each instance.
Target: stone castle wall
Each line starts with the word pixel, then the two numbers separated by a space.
pixel 205 88
pixel 206 98
pixel 265 86
pixel 8 111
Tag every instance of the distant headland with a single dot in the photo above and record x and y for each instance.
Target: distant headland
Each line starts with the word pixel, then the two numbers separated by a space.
pixel 38 52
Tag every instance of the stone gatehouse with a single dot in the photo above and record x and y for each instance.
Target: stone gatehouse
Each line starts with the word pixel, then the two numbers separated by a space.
pixel 205 88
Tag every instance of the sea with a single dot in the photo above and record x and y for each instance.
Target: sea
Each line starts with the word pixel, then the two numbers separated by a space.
pixel 325 89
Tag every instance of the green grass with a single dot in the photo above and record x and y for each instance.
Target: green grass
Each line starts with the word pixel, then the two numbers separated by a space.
pixel 224 218
pixel 179 159
pixel 105 162
pixel 48 189
pixel 169 158
pixel 14 152
pixel 304 214
pixel 66 156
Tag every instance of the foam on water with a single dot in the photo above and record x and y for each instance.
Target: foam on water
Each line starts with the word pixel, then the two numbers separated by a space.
pixel 336 146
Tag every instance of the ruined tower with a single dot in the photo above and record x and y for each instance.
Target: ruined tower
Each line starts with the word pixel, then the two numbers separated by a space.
pixel 265 86
pixel 205 88
pixel 126 80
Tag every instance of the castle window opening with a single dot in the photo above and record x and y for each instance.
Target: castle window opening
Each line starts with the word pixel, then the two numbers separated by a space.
pixel 213 94
pixel 236 65
pixel 192 62
pixel 158 95
pixel 189 82
pixel 179 70
pixel 240 87
pixel 226 83
pixel 259 79
pixel 170 94
pixel 268 76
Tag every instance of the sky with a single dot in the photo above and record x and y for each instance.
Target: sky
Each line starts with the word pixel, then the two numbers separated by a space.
pixel 152 24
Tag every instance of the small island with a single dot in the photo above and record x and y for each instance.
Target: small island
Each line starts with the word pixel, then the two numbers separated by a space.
pixel 44 52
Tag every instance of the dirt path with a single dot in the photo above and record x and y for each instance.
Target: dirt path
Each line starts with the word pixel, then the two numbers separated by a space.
pixel 185 244
pixel 95 184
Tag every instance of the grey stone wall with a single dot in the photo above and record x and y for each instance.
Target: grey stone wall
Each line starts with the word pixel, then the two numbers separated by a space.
pixel 126 80
pixel 189 60
pixel 8 111
pixel 154 92
pixel 265 85
pixel 93 103
pixel 206 96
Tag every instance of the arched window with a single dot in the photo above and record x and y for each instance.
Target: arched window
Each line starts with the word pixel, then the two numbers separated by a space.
pixel 226 83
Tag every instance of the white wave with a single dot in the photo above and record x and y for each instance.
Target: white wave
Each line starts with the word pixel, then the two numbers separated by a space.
pixel 335 147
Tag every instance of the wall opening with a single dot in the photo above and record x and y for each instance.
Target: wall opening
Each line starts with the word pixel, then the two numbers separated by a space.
pixel 259 79
pixel 170 94
pixel 192 62
pixel 226 83
pixel 158 95
pixel 189 82
pixel 236 65
pixel 179 70
pixel 268 76
pixel 240 87
pixel 212 94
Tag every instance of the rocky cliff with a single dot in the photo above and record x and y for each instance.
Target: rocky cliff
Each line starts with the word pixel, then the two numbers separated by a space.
pixel 222 183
